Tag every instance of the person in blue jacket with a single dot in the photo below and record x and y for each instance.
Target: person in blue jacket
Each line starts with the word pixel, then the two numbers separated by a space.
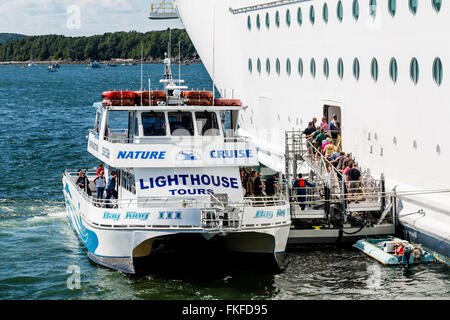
pixel 300 185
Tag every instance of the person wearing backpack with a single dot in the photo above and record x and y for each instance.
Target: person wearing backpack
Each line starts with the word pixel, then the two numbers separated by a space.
pixel 301 187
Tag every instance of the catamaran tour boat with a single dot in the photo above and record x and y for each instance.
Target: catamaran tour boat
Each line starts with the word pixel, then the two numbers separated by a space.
pixel 178 165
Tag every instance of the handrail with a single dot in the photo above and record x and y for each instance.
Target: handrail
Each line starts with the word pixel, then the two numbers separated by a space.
pixel 184 202
pixel 324 159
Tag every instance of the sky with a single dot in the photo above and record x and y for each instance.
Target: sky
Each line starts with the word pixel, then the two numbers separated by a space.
pixel 78 17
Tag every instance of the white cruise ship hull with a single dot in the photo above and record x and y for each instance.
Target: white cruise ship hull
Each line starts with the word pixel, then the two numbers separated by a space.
pixel 396 128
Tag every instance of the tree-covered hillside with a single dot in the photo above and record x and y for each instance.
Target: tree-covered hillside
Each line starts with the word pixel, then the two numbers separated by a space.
pixel 122 45
pixel 6 37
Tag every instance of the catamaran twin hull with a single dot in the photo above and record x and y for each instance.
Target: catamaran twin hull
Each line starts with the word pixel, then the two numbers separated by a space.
pixel 115 236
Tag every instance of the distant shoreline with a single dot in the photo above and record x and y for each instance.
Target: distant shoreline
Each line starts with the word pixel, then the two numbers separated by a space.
pixel 113 62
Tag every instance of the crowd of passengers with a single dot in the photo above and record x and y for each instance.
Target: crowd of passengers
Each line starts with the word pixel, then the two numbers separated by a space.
pixel 324 140
pixel 102 185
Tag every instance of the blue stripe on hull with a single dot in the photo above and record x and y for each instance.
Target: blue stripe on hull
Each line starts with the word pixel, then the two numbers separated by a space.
pixel 438 245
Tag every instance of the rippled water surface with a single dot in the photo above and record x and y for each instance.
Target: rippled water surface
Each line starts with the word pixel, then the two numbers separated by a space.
pixel 44 121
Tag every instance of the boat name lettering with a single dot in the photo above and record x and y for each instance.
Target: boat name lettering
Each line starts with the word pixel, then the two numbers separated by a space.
pixel 281 213
pixel 189 179
pixel 264 214
pixel 111 216
pixel 143 155
pixel 230 154
pixel 137 215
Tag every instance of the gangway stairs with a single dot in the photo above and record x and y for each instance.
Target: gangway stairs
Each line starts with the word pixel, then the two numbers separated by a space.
pixel 324 214
pixel 163 10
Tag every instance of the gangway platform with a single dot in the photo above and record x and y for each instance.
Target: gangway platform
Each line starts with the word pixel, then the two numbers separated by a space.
pixel 328 215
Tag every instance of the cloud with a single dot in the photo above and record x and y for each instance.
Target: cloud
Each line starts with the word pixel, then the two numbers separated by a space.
pixel 34 17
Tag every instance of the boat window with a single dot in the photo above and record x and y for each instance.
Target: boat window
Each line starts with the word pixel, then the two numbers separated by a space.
pixel 437 5
pixel 325 12
pixel 340 11
pixel 340 68
pixel 267 20
pixel 127 181
pixel 413 5
pixel 181 124
pixel 373 8
pixel 414 70
pixel 326 68
pixel 207 124
pixel 299 16
pixel 393 70
pixel 98 121
pixel 392 7
pixel 437 71
pixel 356 68
pixel 117 126
pixel 355 9
pixel 154 124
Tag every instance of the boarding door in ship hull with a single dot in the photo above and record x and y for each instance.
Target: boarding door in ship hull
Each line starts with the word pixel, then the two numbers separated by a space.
pixel 329 111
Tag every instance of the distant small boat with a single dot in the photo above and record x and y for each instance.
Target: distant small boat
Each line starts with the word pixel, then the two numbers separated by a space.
pixel 111 65
pixel 52 68
pixel 31 64
pixel 94 65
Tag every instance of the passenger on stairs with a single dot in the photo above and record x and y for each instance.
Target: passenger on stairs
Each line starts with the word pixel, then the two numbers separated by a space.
pixel 318 138
pixel 354 176
pixel 334 128
pixel 300 185
pixel 324 124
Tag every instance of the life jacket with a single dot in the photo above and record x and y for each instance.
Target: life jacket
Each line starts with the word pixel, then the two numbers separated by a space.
pixel 301 183
pixel 399 249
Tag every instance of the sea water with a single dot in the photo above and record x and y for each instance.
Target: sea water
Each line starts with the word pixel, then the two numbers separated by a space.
pixel 44 121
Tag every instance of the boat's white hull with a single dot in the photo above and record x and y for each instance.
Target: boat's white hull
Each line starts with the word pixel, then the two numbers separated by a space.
pixel 116 246
pixel 398 129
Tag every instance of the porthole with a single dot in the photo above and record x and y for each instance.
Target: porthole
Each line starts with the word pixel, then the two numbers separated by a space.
pixel 300 67
pixel 394 140
pixel 373 8
pixel 356 68
pixel 250 65
pixel 374 69
pixel 413 6
pixel 325 12
pixel 340 68
pixel 415 144
pixel 392 7
pixel 313 67
pixel 288 66
pixel 268 66
pixel 277 19
pixel 375 136
pixel 437 5
pixel 288 17
pixel 299 16
pixel 438 149
pixel 258 22
pixel 258 66
pixel 340 11
pixel 437 71
pixel 355 9
pixel 312 14
pixel 277 66
pixel 267 20
pixel 393 70
pixel 414 70
pixel 249 23
pixel 326 68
